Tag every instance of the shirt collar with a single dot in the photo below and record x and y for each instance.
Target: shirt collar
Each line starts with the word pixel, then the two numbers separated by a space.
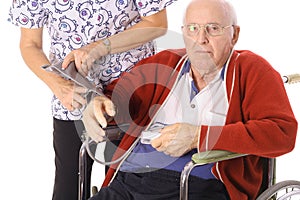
pixel 187 66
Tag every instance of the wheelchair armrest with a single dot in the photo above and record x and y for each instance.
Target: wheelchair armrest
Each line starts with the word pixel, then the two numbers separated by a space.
pixel 202 158
pixel 212 156
pixel 115 132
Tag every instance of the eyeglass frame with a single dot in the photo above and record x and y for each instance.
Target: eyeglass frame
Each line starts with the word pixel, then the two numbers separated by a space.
pixel 205 26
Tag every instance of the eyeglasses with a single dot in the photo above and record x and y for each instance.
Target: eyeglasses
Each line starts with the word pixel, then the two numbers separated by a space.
pixel 211 29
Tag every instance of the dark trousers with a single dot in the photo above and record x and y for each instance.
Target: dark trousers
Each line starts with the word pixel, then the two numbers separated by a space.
pixel 109 150
pixel 67 143
pixel 160 185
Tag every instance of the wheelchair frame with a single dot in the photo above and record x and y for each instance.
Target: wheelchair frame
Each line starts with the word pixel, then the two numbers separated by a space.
pixel 213 156
pixel 274 190
pixel 82 173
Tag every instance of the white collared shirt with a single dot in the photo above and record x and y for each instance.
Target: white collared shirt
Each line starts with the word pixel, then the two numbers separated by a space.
pixel 184 105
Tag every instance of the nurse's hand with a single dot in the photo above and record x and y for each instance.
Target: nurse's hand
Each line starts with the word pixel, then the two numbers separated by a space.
pixel 86 57
pixel 70 95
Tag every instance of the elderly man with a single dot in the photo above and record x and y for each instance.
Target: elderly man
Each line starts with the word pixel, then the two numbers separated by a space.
pixel 207 96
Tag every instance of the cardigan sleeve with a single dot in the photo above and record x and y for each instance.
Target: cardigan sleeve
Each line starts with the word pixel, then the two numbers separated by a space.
pixel 260 120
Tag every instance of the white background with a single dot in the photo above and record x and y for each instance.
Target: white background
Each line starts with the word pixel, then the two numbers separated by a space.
pixel 269 28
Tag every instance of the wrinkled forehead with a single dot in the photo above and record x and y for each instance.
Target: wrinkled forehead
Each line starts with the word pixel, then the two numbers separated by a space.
pixel 207 11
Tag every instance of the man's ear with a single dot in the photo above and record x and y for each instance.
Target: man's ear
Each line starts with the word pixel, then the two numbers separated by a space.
pixel 236 33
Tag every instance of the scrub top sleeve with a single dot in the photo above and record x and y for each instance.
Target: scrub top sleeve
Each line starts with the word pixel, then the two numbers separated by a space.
pixel 148 7
pixel 27 14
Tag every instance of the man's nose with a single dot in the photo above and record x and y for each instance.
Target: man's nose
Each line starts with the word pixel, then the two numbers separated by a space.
pixel 202 37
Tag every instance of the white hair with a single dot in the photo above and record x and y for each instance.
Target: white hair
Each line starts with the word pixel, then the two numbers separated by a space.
pixel 228 7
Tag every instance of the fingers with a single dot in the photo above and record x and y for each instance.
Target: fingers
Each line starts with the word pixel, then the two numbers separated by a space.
pixel 79 57
pixel 161 143
pixel 78 101
pixel 167 146
pixel 79 94
pixel 103 105
pixel 96 133
pixel 109 108
pixel 69 58
pixel 87 63
pixel 157 143
pixel 72 96
pixel 83 69
pixel 167 134
pixel 93 115
pixel 175 140
pixel 93 130
pixel 83 57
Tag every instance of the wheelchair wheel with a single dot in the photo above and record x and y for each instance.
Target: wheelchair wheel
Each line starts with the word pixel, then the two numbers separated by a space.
pixel 283 190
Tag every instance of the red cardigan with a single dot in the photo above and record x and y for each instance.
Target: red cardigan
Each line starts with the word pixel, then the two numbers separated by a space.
pixel 259 121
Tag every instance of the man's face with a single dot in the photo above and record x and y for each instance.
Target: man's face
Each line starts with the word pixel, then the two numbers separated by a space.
pixel 207 52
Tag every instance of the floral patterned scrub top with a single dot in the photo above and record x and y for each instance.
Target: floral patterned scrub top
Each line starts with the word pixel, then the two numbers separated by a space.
pixel 72 24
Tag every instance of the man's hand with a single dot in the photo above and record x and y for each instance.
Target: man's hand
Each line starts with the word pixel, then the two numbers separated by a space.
pixel 94 117
pixel 177 139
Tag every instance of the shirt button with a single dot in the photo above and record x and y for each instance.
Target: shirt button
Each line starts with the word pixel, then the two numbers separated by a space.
pixel 193 106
